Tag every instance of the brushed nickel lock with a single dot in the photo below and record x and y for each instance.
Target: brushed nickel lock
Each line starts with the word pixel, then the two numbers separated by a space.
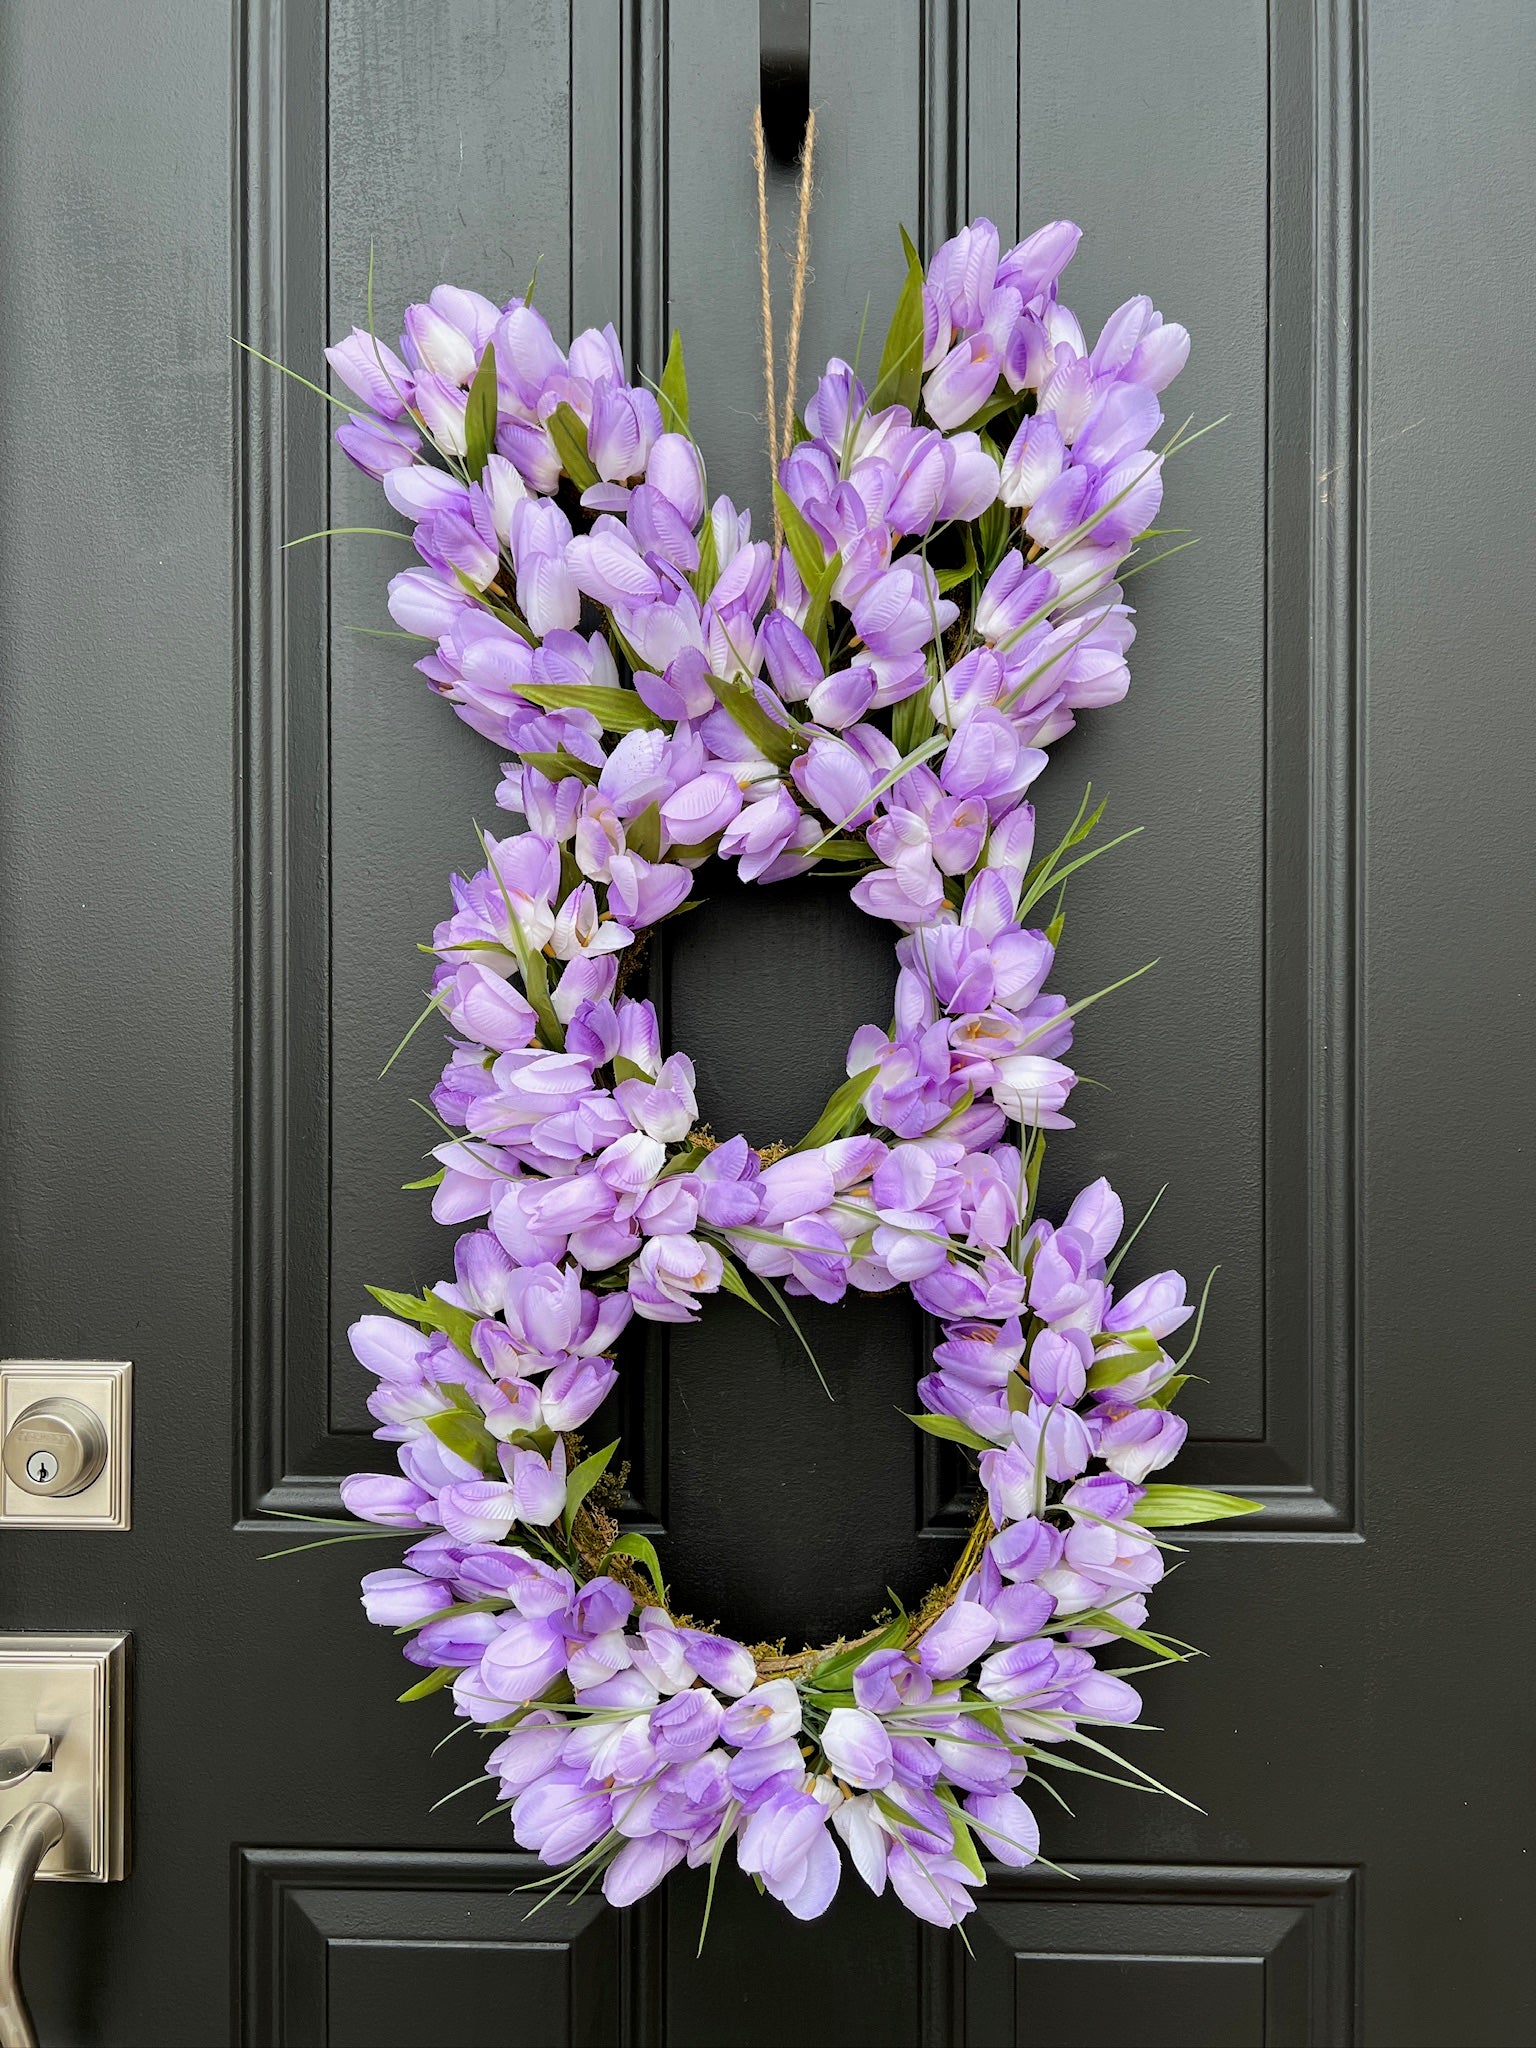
pixel 55 1447
pixel 65 1439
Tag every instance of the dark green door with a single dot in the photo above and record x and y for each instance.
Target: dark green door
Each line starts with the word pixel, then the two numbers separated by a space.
pixel 228 817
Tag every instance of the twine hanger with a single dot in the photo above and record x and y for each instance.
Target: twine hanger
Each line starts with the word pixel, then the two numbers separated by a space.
pixel 781 436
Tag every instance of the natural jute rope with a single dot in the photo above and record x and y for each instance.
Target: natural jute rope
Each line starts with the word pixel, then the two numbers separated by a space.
pixel 781 437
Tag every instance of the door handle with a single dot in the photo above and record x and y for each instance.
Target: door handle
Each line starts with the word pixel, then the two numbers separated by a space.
pixel 25 1840
pixel 63 1783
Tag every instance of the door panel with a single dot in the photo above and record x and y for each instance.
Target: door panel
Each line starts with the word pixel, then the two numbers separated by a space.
pixel 229 818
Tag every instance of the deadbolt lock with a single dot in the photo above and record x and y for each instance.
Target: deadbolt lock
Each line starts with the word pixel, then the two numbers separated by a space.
pixel 55 1447
pixel 65 1440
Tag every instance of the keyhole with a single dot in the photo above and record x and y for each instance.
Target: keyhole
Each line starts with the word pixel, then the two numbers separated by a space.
pixel 42 1468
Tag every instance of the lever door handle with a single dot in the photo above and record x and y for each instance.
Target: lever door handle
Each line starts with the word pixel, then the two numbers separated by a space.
pixel 63 1791
pixel 25 1840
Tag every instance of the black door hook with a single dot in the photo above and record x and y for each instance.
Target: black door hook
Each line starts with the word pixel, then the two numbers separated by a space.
pixel 784 70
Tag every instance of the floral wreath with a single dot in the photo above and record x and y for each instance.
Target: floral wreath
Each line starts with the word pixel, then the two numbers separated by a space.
pixel 875 689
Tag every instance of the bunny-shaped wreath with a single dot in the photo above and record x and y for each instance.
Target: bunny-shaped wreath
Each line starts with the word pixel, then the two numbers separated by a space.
pixel 879 694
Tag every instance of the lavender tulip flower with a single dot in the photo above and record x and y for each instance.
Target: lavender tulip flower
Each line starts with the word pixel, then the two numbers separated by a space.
pixel 785 1843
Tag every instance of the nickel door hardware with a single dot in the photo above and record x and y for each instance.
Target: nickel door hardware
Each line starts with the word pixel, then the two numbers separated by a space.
pixel 65 1444
pixel 63 1783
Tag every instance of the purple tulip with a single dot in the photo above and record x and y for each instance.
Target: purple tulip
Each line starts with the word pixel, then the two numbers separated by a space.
pixel 525 1659
pixel 760 832
pixel 701 809
pixel 376 1497
pixel 785 1843
pixel 521 1758
pixel 763 1768
pixel 857 1748
pixel 547 592
pixel 1034 459
pixel 1008 1831
pixel 963 381
pixel 767 1714
pixel 622 430
pixel 640 1866
pixel 686 1725
pixel 561 1816
pixel 379 451
pixel 669 1275
pixel 365 365
pixel 1034 265
pixel 933 1886
pixel 421 601
pixel 902 610
pixel 1136 1441
pixel 1157 1305
pixel 399 1598
pixel 956 1639
pixel 643 892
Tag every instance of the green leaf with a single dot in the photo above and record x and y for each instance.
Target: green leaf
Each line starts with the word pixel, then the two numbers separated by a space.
pixel 732 1281
pixel 431 1180
pixel 1205 1294
pixel 912 722
pixel 1157 1645
pixel 952 1430
pixel 835 1673
pixel 480 416
pixel 781 1303
pixel 992 533
pixel 672 391
pixel 1173 1507
pixel 965 1848
pixel 985 414
pixel 507 616
pixel 570 439
pixel 408 1307
pixel 770 739
pixel 837 1112
pixel 614 710
pixel 810 557
pixel 581 1482
pixel 707 574
pixel 965 570
pixel 504 612
pixel 1126 1242
pixel 1168 1392
pixel 900 378
pixel 634 1545
pixel 727 1825
pixel 489 1604
pixel 456 1324
pixel 434 1681
pixel 1133 1352
pixel 466 1436
pixel 815 628
pixel 559 765
pixel 642 835
pixel 627 1069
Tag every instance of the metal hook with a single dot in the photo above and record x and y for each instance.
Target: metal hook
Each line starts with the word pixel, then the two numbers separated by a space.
pixel 784 74
pixel 25 1840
